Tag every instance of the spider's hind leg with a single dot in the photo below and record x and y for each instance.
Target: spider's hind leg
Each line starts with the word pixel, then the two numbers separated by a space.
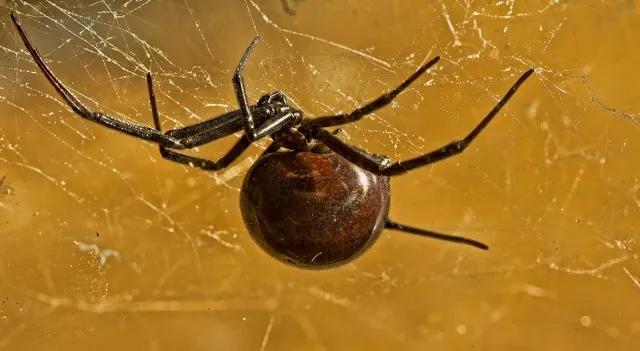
pixel 389 224
pixel 375 165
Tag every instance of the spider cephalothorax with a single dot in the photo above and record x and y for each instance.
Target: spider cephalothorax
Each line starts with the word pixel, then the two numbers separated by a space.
pixel 287 135
pixel 318 205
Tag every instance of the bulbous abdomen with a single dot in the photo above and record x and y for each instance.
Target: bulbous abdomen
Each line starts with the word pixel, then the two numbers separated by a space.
pixel 313 210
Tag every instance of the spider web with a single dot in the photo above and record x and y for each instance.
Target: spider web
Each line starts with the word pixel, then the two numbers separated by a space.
pixel 103 237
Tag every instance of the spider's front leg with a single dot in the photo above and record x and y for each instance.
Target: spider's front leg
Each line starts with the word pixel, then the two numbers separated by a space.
pixel 240 146
pixel 273 123
pixel 136 130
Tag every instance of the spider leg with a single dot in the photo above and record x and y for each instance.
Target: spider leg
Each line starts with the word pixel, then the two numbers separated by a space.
pixel 211 129
pixel 273 147
pixel 241 92
pixel 374 105
pixel 382 166
pixel 205 132
pixel 269 126
pixel 220 126
pixel 389 224
pixel 140 131
pixel 205 164
pixel 197 138
pixel 238 148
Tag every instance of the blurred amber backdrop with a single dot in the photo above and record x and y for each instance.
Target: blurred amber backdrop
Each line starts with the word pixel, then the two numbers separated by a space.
pixel 104 245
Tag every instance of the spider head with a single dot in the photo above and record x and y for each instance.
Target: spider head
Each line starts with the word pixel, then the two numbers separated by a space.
pixel 275 98
pixel 276 103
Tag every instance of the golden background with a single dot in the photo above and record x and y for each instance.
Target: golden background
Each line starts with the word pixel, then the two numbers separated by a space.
pixel 104 245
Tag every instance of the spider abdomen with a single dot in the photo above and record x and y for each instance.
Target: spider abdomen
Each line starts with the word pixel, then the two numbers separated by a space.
pixel 313 210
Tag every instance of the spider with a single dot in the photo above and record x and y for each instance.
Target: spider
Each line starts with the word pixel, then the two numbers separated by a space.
pixel 320 203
